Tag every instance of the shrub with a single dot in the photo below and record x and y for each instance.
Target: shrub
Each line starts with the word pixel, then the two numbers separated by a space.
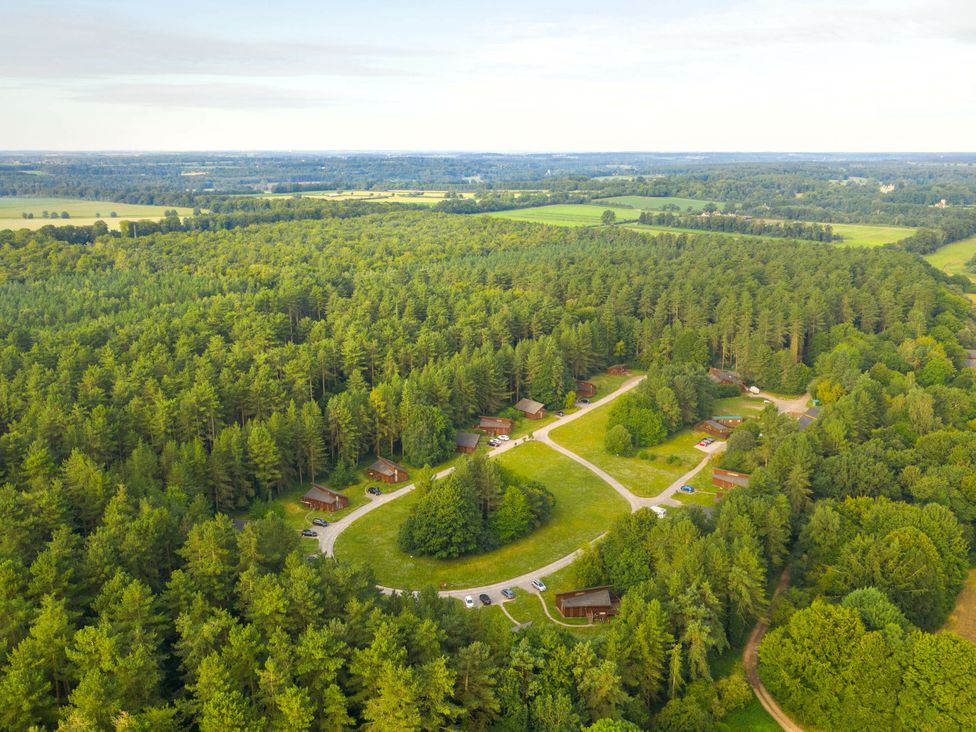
pixel 618 441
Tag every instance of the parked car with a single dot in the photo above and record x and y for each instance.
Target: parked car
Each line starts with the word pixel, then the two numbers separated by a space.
pixel 584 400
pixel 687 489
pixel 508 593
pixel 661 512
pixel 539 585
pixel 374 491
pixel 320 522
pixel 701 443
pixel 493 443
pixel 708 440
pixel 469 602
pixel 503 438
pixel 485 600
pixel 560 414
pixel 309 533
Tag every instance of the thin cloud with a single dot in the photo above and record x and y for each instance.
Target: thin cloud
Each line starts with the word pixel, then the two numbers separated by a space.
pixel 205 96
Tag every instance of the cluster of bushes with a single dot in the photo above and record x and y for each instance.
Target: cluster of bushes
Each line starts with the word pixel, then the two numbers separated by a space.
pixel 478 508
pixel 743 225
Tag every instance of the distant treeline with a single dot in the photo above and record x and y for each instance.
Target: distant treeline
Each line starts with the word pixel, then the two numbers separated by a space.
pixel 506 201
pixel 742 225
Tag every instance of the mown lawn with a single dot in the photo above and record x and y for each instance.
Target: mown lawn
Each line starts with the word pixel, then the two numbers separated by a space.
pixel 962 622
pixel 298 516
pixel 566 214
pixel 585 507
pixel 742 406
pixel 751 718
pixel 952 258
pixel 644 477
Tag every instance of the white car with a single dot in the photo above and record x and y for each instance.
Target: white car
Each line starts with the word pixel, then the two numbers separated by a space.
pixel 503 438
pixel 661 512
pixel 539 585
pixel 469 602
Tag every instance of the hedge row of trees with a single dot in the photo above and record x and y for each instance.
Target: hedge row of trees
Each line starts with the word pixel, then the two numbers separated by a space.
pixel 742 225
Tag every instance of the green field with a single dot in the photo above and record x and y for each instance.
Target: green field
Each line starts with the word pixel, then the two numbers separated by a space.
pixel 584 436
pixel 864 235
pixel 428 198
pixel 585 507
pixel 952 258
pixel 656 203
pixel 565 214
pixel 298 516
pixel 81 212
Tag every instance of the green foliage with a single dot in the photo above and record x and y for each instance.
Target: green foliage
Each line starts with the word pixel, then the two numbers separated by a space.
pixel 618 440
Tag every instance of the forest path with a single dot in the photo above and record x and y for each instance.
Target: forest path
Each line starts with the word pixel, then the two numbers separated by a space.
pixel 750 657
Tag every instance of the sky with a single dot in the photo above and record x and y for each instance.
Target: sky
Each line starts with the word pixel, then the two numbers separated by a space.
pixel 731 75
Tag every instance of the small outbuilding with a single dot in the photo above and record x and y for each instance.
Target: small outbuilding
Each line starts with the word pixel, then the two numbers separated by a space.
pixel 386 471
pixel 321 498
pixel 594 603
pixel 618 369
pixel 729 420
pixel 585 389
pixel 807 418
pixel 531 408
pixel 495 425
pixel 467 442
pixel 727 479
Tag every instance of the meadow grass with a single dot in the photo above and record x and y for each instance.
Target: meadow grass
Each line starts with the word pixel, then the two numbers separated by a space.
pixel 566 214
pixel 585 507
pixel 962 621
pixel 81 212
pixel 644 477
pixel 866 235
pixel 656 203
pixel 952 258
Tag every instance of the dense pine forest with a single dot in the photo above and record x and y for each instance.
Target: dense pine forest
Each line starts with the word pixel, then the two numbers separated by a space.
pixel 152 386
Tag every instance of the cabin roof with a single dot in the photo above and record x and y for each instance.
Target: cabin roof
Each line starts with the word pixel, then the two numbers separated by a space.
pixel 529 405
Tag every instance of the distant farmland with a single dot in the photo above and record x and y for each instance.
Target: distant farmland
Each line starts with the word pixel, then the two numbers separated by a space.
pixel 80 212
pixel 656 203
pixel 952 258
pixel 566 214
pixel 864 235
pixel 426 198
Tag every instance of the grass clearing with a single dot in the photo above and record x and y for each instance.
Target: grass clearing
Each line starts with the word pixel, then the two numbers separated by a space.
pixel 426 198
pixel 80 212
pixel 657 203
pixel 962 622
pixel 298 516
pixel 672 459
pixel 585 507
pixel 865 235
pixel 952 258
pixel 566 214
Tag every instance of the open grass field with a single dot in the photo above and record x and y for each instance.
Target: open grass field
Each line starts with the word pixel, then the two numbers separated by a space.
pixel 644 477
pixel 428 198
pixel 743 406
pixel 864 235
pixel 962 622
pixel 656 203
pixel 81 212
pixel 585 507
pixel 952 258
pixel 566 214
pixel 298 516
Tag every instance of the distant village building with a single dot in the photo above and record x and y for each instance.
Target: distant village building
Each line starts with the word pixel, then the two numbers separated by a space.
pixel 594 603
pixel 727 479
pixel 495 425
pixel 723 376
pixel 585 389
pixel 386 471
pixel 940 204
pixel 618 369
pixel 321 498
pixel 886 188
pixel 467 442
pixel 531 408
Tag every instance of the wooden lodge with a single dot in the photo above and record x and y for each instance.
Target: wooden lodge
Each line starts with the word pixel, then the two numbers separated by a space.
pixel 495 425
pixel 729 420
pixel 618 369
pixel 594 603
pixel 807 418
pixel 585 389
pixel 386 471
pixel 727 479
pixel 714 428
pixel 321 498
pixel 723 376
pixel 467 442
pixel 531 409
